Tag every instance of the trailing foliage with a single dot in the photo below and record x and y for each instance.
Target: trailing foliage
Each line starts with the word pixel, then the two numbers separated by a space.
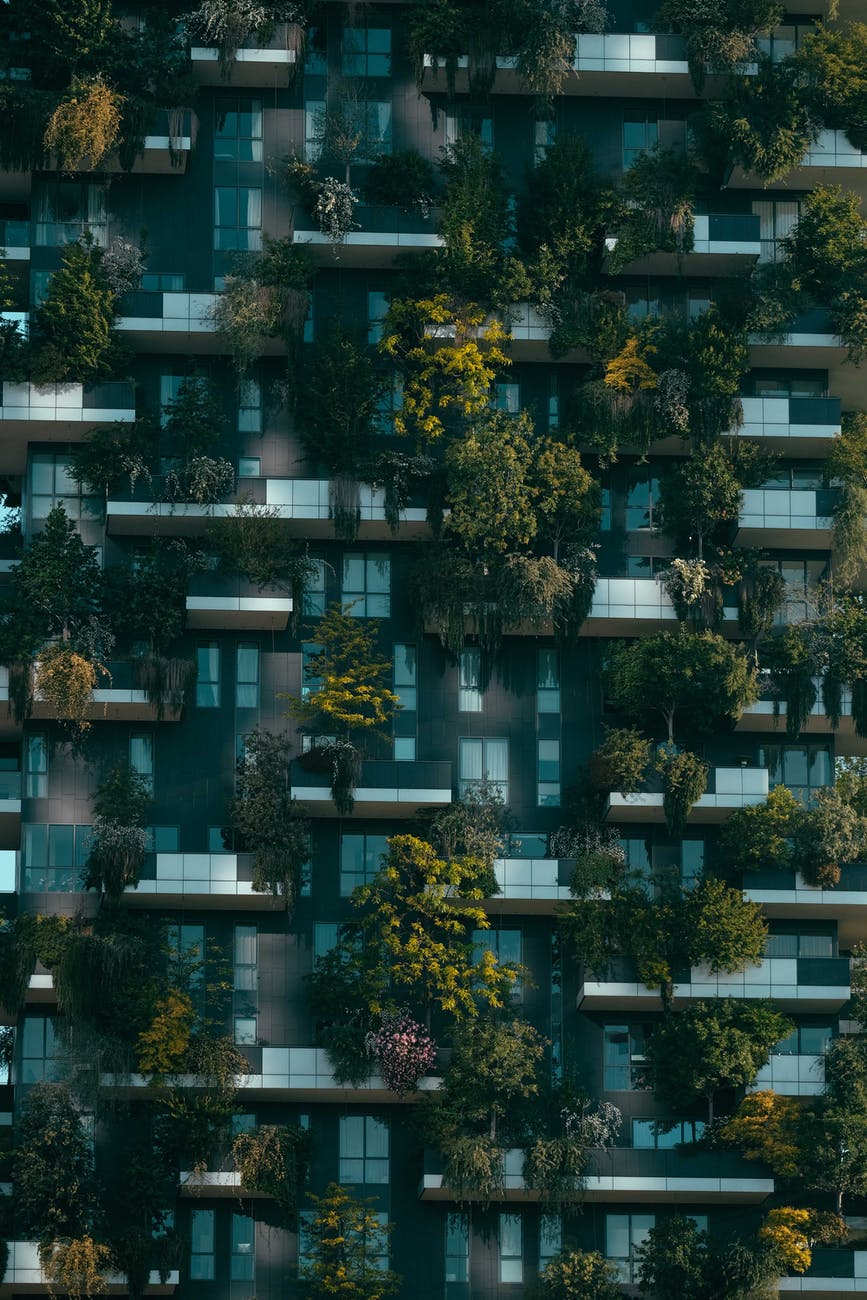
pixel 119 839
pixel 273 1161
pixel 266 820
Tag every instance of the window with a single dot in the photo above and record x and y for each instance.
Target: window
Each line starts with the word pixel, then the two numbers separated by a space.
pixel 642 497
pixel 39 1048
pixel 36 773
pixel 208 678
pixel 691 862
pixel 624 1058
pixel 511 1248
pixel 363 1150
pixel 376 129
pixel 805 1040
pixel 247 677
pixel 360 859
pixel 249 467
pixel 68 209
pixel 460 123
pixel 553 404
pixel 507 397
pixel 202 1246
pixel 238 217
pixel 52 485
pixel 238 131
pixel 377 310
pixel 405 677
pixel 389 402
pixel 367 585
pixel 470 680
pixel 313 601
pixel 485 760
pixel 246 958
pixel 457 1247
pixel 548 773
pixel 800 945
pixel 624 1233
pixel 325 935
pixel 544 135
pixel 314 130
pixel 803 768
pixel 777 219
pixel 605 520
pixel 250 406
pixel 309 682
pixel 53 856
pixel 163 839
pixel 550 1238
pixel 506 947
pixel 366 52
pixel 243 1248
pixel 649 1134
pixel 547 681
pixel 315 53
pixel 639 133
pixel 163 281
pixel 141 757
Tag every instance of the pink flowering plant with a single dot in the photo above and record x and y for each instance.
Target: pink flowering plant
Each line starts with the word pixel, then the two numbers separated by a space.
pixel 403 1049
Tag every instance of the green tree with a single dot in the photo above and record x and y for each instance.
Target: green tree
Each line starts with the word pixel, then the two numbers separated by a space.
pixel 711 1045
pixel 579 1275
pixel 346 1241
pixel 119 840
pixel 418 915
pixel 682 672
pixel 700 497
pixel 338 403
pixel 194 422
pixel 55 590
pixel 265 818
pixel 684 781
pixel 568 497
pixel 672 1261
pixel 835 61
pixel 52 1167
pixel 827 836
pixel 71 330
pixel 490 490
pixel 620 762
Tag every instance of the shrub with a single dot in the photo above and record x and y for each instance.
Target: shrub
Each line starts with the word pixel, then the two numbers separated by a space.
pixel 119 841
pixel 404 1051
pixel 684 781
pixel 84 128
pixel 52 1167
pixel 71 330
pixel 164 1046
pixel 66 680
pixel 579 1275
pixel 273 1161
pixel 265 817
pixel 402 180
pixel 620 762
pixel 75 1268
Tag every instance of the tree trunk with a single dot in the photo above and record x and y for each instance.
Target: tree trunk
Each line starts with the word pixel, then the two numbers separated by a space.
pixel 710 1107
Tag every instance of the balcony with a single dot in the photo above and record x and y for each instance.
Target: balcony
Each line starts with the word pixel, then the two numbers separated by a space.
pixel 304 503
pixel 285 1074
pixel 792 426
pixel 165 148
pixel 629 1174
pixel 270 64
pixel 791 1076
pixel 57 413
pixel 809 342
pixel 832 1274
pixel 387 788
pixel 530 886
pixel 175 322
pixel 830 160
pixel 723 244
pixel 728 788
pixel 615 64
pixel 794 983
pixel 786 517
pixel 10 810
pixel 619 604
pixel 785 895
pixel 200 880
pixel 236 605
pixel 769 715
pixel 122 701
pixel 383 233
pixel 24 1275
pixel 15 240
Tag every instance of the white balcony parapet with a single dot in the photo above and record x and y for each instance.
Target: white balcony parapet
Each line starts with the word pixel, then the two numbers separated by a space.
pixel 62 402
pixel 310 499
pixel 530 879
pixel 833 149
pixel 733 787
pixel 791 1075
pixel 610 52
pixel 639 599
pixel 782 508
pixel 703 243
pixel 812 1285
pixel 769 417
pixel 396 239
pixel 195 873
pixel 187 313
pixel 284 1069
pixel 24 1272
pixel 772 977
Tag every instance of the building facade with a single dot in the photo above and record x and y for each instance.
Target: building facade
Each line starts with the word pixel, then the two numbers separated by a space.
pixel 520 712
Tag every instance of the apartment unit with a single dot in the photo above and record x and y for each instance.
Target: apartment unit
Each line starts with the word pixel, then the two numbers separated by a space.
pixel 519 713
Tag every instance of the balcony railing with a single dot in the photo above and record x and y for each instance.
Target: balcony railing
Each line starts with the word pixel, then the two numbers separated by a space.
pixel 781 510
pixel 63 403
pixel 728 788
pixel 389 786
pixel 15 239
pixel 24 1274
pixel 627 1173
pixel 797 982
pixel 792 1075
